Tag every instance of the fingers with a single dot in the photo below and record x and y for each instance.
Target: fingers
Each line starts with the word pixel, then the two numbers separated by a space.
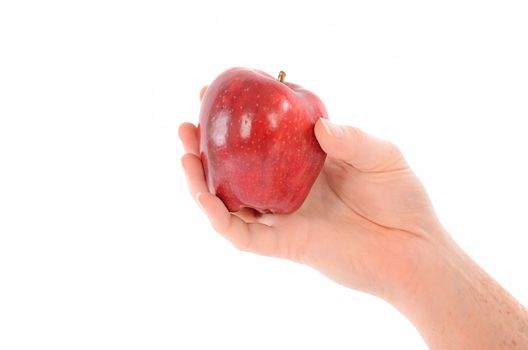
pixel 247 214
pixel 202 92
pixel 189 137
pixel 245 235
pixel 189 133
pixel 254 237
pixel 357 148
pixel 241 228
pixel 192 166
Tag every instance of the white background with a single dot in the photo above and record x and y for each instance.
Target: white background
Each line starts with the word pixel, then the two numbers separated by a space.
pixel 101 247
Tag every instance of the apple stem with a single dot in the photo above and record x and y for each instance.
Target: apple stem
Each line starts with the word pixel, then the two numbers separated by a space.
pixel 282 75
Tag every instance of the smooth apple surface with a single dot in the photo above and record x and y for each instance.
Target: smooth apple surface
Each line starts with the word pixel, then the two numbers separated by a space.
pixel 257 141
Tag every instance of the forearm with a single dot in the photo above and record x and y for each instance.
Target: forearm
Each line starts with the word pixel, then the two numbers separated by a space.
pixel 456 305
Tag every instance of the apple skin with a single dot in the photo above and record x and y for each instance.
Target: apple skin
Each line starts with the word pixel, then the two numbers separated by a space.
pixel 257 141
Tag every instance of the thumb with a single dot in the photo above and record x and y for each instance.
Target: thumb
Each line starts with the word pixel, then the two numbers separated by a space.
pixel 357 148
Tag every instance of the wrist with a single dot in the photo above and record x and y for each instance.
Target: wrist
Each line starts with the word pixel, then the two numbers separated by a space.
pixel 454 304
pixel 437 262
pixel 438 282
pixel 437 301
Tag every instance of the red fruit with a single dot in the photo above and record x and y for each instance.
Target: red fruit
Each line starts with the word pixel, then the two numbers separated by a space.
pixel 257 141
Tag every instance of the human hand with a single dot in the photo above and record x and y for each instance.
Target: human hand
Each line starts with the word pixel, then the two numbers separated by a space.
pixel 369 225
pixel 366 223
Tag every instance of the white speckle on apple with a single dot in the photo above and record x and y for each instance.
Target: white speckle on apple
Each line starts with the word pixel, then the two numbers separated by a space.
pixel 285 106
pixel 272 118
pixel 219 128
pixel 245 126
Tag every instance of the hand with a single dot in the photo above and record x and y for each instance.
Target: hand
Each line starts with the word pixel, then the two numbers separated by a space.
pixel 365 223
pixel 369 225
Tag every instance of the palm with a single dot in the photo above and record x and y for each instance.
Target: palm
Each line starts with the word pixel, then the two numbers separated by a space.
pixel 349 214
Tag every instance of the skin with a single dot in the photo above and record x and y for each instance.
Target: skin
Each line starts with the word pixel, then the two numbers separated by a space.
pixel 368 224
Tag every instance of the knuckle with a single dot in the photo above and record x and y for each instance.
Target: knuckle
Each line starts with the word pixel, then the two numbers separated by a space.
pixel 396 158
pixel 353 132
pixel 242 246
pixel 394 149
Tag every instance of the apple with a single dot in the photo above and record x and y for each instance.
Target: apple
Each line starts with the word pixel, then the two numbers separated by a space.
pixel 257 141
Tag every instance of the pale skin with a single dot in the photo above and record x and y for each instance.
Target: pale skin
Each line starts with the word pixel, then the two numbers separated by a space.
pixel 368 224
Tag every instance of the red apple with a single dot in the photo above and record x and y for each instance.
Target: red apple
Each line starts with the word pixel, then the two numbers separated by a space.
pixel 257 141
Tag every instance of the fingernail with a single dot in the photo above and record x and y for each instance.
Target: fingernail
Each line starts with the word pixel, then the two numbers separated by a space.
pixel 202 92
pixel 197 197
pixel 331 128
